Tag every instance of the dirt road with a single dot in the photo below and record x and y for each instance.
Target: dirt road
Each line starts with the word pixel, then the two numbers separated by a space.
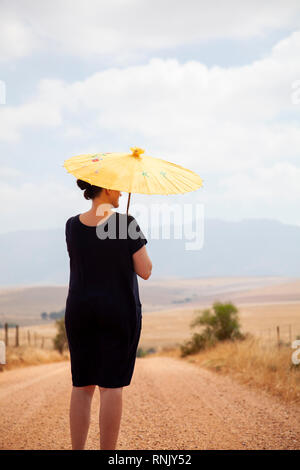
pixel 170 404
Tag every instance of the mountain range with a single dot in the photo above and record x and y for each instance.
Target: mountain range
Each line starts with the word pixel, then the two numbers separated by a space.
pixel 250 247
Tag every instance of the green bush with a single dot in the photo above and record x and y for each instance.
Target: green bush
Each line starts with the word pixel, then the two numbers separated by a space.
pixel 140 352
pixel 60 341
pixel 144 352
pixel 221 324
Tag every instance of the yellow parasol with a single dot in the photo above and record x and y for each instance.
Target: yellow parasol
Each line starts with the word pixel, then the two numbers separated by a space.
pixel 133 173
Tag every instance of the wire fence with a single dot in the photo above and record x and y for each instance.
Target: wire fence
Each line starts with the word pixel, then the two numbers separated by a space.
pixel 280 334
pixel 15 336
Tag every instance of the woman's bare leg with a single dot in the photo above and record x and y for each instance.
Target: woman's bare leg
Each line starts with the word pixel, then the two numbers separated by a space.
pixel 80 410
pixel 111 401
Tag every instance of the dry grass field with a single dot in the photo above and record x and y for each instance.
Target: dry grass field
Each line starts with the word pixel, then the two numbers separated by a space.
pixel 170 327
pixel 24 305
pixel 251 362
pixel 263 303
pixel 24 356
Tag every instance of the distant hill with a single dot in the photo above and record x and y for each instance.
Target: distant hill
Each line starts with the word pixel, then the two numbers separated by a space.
pixel 251 247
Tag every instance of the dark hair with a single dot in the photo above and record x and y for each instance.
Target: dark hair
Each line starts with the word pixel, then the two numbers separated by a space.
pixel 91 191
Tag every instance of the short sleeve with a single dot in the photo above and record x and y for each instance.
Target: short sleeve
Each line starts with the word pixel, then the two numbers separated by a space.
pixel 136 238
pixel 67 234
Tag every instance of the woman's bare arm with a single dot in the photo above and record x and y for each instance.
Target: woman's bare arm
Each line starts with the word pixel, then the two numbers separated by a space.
pixel 141 263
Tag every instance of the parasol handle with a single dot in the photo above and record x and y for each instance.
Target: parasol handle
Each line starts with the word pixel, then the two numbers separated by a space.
pixel 128 202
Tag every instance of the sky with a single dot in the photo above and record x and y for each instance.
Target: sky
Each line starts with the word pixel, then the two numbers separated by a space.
pixel 212 86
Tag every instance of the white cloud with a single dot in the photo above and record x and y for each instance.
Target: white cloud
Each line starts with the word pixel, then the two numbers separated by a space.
pixel 264 185
pixel 74 131
pixel 238 125
pixel 123 29
pixel 17 40
pixel 215 119
pixel 44 110
pixel 267 192
pixel 36 205
pixel 7 172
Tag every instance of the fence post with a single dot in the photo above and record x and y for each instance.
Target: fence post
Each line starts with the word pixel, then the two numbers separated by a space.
pixel 17 336
pixel 28 337
pixel 6 334
pixel 278 336
pixel 42 345
pixel 35 337
pixel 290 333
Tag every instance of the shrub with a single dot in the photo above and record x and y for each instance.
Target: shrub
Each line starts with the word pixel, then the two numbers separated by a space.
pixel 144 352
pixel 60 341
pixel 221 324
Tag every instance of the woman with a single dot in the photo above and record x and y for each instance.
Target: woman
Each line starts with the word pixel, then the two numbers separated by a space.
pixel 103 314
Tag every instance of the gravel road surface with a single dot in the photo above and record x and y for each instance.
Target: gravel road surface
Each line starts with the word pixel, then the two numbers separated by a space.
pixel 170 404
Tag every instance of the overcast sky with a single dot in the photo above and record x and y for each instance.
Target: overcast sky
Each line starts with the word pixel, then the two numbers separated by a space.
pixel 212 86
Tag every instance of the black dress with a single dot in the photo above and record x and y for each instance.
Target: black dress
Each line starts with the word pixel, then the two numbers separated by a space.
pixel 103 316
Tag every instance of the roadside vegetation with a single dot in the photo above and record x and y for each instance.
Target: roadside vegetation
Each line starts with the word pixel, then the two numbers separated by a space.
pixel 26 355
pixel 220 324
pixel 23 356
pixel 60 342
pixel 223 348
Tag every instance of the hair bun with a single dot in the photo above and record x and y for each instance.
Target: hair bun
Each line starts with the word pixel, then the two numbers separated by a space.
pixel 83 184
pixel 90 191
